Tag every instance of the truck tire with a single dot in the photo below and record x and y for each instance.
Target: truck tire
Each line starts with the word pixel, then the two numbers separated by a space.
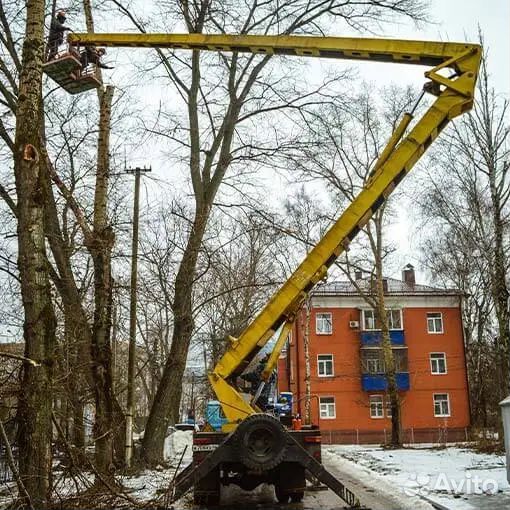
pixel 261 442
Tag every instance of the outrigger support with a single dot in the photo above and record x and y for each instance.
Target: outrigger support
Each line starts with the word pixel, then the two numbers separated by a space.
pixel 229 452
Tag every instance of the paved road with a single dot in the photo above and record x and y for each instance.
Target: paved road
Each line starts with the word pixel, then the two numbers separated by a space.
pixel 376 496
pixel 233 498
pixel 379 496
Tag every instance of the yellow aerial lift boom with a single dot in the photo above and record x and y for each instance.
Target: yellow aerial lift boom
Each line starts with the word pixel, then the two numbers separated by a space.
pixel 454 95
pixel 257 445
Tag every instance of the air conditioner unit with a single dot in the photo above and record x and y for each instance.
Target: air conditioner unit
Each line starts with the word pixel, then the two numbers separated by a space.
pixel 354 324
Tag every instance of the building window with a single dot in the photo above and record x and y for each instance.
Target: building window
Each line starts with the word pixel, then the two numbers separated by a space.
pixel 371 361
pixel 324 323
pixel 438 363
pixel 327 407
pixel 441 405
pixel 435 322
pixel 400 357
pixel 394 318
pixel 325 365
pixel 376 406
pixel 387 401
pixel 371 320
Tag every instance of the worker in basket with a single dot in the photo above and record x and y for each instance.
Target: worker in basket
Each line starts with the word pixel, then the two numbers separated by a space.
pixel 91 56
pixel 56 35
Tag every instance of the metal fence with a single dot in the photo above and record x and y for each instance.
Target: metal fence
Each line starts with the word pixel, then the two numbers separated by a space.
pixel 439 435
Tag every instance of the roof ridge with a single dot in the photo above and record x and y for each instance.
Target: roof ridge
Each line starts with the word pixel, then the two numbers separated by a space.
pixel 395 286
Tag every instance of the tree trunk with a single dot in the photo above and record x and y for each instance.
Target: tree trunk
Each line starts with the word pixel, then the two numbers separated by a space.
pixel 500 290
pixel 35 401
pixel 389 360
pixel 100 247
pixel 77 384
pixel 77 327
pixel 165 408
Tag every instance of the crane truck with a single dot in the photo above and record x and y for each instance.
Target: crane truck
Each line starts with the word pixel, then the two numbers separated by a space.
pixel 254 447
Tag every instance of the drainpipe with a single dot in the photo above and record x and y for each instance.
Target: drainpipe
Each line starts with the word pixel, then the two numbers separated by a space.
pixel 298 376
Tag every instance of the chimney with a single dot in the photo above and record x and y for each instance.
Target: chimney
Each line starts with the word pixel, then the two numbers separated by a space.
pixel 408 275
pixel 358 274
pixel 385 285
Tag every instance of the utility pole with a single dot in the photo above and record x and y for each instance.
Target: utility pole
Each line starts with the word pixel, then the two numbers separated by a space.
pixel 132 318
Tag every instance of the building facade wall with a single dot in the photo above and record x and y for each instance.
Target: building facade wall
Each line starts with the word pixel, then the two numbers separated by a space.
pixel 352 419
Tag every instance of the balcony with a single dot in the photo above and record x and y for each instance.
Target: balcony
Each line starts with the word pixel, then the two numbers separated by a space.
pixel 373 338
pixel 377 382
pixel 373 368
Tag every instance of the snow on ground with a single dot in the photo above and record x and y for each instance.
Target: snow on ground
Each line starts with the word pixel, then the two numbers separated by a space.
pixel 150 483
pixel 458 478
pixel 142 486
pixel 176 443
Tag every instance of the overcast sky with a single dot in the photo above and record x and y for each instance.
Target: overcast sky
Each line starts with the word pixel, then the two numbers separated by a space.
pixel 456 21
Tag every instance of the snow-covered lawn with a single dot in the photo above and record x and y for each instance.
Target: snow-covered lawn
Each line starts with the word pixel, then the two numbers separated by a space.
pixel 142 487
pixel 149 484
pixel 458 478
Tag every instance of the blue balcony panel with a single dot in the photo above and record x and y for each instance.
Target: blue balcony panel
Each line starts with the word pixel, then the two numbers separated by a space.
pixel 377 382
pixel 374 337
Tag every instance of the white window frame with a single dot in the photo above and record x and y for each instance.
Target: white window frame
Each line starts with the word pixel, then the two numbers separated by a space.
pixel 379 407
pixel 376 363
pixel 328 406
pixel 365 310
pixel 442 415
pixel 432 360
pixel 391 310
pixel 319 317
pixel 431 320
pixel 363 319
pixel 325 363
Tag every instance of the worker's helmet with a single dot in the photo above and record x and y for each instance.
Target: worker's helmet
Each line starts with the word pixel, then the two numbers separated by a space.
pixel 61 13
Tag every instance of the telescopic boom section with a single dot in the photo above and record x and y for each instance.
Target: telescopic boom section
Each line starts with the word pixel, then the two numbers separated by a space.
pixel 427 53
pixel 454 96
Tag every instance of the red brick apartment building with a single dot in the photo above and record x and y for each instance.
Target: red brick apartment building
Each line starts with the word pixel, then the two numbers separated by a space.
pixel 347 381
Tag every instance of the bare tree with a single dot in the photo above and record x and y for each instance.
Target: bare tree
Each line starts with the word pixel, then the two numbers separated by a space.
pixel 303 222
pixel 225 98
pixel 35 402
pixel 348 142
pixel 464 203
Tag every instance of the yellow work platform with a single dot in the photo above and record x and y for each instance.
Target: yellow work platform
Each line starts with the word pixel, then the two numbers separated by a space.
pixel 66 71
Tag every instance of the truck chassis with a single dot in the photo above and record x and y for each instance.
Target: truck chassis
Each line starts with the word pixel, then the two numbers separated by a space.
pixel 259 451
